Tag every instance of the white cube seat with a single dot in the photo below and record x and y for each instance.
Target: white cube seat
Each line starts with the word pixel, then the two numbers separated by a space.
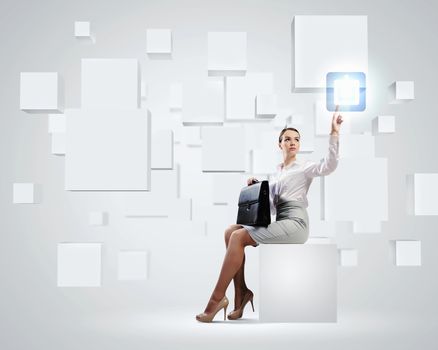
pixel 298 283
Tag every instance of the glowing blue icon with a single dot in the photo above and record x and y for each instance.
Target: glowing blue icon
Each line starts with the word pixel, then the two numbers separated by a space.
pixel 346 89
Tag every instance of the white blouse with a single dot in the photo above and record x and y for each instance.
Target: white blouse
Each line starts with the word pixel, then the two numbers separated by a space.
pixel 293 182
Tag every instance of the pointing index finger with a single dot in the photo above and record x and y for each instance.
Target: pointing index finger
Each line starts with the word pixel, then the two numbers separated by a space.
pixel 336 111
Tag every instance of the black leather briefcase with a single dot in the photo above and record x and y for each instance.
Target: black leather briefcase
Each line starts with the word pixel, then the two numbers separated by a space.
pixel 254 209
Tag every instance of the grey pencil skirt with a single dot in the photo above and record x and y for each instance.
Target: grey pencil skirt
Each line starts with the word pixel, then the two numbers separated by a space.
pixel 291 226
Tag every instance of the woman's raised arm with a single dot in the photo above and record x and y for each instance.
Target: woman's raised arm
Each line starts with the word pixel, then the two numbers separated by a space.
pixel 330 162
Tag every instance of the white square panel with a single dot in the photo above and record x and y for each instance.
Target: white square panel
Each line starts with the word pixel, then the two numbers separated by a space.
pixel 223 149
pixel 110 83
pixel 227 53
pixel 162 149
pixel 132 265
pixel 82 29
pixel 108 150
pixel 79 264
pixel 24 193
pixel 312 62
pixel 384 124
pixel 423 194
pixel 402 91
pixel 40 92
pixel 204 102
pixel 408 253
pixel 159 41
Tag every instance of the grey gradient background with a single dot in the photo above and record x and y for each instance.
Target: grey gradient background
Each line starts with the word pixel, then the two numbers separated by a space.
pixel 380 305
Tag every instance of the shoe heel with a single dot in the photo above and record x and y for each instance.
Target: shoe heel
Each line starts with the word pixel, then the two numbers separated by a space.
pixel 252 305
pixel 225 312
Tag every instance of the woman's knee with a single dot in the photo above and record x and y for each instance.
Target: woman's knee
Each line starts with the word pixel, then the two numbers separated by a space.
pixel 229 231
pixel 241 237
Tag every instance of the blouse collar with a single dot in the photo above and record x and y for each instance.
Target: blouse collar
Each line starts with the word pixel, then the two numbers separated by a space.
pixel 295 162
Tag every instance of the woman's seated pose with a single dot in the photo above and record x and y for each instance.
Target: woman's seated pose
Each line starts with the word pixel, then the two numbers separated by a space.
pixel 288 200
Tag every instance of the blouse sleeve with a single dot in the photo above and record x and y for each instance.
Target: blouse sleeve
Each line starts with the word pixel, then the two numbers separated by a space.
pixel 328 164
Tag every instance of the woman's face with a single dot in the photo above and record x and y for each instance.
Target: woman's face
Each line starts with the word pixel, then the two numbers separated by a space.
pixel 290 143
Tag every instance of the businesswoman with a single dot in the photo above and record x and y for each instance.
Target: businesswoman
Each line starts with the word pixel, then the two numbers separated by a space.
pixel 288 201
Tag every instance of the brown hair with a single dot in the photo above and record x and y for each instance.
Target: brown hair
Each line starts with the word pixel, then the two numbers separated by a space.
pixel 284 130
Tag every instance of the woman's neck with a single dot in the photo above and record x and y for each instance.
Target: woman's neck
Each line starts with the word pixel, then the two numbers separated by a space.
pixel 289 161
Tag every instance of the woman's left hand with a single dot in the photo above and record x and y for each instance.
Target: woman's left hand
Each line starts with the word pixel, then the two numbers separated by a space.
pixel 336 121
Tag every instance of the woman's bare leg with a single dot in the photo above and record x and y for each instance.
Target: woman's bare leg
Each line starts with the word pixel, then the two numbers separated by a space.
pixel 240 287
pixel 239 239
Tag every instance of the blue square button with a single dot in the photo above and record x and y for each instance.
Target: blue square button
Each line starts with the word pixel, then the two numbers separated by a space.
pixel 346 89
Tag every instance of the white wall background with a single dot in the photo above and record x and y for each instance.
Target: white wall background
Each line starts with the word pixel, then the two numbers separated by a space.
pixel 38 36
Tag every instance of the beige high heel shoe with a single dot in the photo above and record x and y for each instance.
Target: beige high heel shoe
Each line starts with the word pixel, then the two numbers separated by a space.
pixel 238 313
pixel 204 317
